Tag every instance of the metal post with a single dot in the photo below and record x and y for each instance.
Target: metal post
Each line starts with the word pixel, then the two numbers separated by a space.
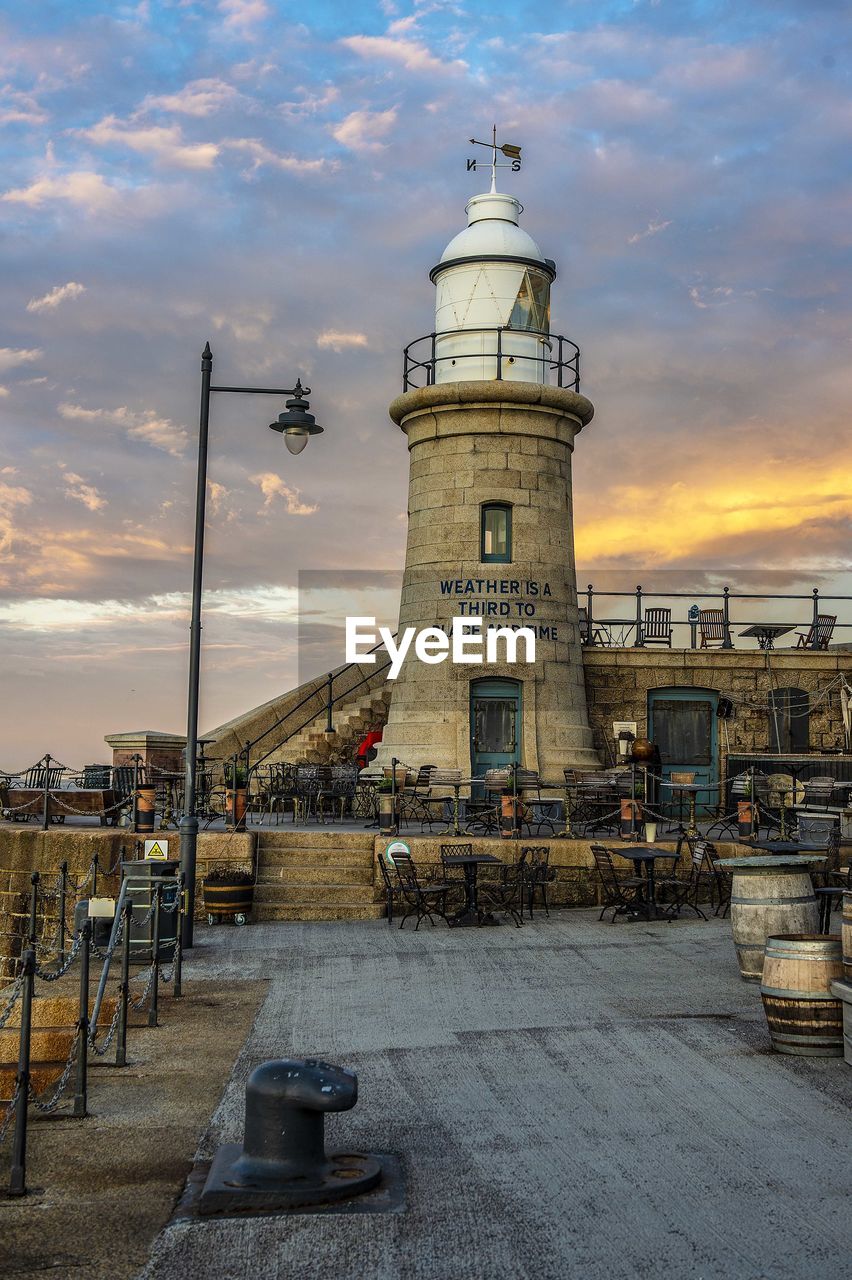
pixel 63 900
pixel 95 865
pixel 432 373
pixel 727 643
pixel 136 760
pixel 33 927
pixel 499 354
pixel 81 1087
pixel 815 641
pixel 329 727
pixel 189 818
pixel 640 639
pixel 693 616
pixel 46 798
pixel 18 1175
pixel 177 965
pixel 121 1041
pixel 590 591
pixel 393 795
pixel 155 957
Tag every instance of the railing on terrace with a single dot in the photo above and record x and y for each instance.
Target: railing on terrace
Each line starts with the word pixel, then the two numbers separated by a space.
pixel 501 349
pixel 625 626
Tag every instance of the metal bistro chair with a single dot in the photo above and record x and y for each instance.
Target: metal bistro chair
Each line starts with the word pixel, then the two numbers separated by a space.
pixel 415 799
pixel 505 893
pixel 702 876
pixel 393 891
pixel 819 633
pixel 423 900
pixel 830 881
pixel 538 875
pixel 620 891
pixel 657 627
pixel 599 633
pixel 711 626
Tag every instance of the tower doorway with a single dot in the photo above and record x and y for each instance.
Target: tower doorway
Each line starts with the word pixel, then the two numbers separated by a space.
pixel 495 724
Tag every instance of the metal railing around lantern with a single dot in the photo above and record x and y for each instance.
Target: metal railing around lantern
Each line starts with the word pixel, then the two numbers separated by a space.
pixel 558 357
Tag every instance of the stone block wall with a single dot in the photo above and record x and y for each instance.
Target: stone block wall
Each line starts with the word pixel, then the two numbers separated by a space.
pixel 618 682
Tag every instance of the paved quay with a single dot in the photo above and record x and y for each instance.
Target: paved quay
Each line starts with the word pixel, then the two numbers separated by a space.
pixel 571 1099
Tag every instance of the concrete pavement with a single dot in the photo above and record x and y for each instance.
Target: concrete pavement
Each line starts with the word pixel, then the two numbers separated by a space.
pixel 572 1099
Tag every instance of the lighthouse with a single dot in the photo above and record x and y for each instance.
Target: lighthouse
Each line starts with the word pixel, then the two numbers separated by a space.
pixel 490 410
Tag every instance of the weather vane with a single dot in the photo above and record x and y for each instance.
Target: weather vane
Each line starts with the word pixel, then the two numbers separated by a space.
pixel 512 154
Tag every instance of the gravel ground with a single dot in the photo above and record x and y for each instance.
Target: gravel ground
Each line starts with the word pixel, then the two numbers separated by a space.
pixel 568 1100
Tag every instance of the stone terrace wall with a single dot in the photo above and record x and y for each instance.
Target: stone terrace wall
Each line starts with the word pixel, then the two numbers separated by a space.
pixel 618 682
pixel 23 850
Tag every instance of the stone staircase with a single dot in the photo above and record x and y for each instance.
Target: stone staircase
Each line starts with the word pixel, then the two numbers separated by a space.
pixel 54 1019
pixel 316 875
pixel 351 721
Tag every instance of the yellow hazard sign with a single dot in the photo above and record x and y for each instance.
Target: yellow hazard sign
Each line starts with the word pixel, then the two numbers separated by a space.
pixel 157 850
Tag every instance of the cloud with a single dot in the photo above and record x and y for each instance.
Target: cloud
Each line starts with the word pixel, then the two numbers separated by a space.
pixel 20 108
pixel 410 54
pixel 87 190
pixel 164 142
pixel 704 298
pixel 11 357
pixel 272 487
pixel 241 14
pixel 340 341
pixel 61 293
pixel 78 489
pixel 147 426
pixel 260 155
pixel 11 496
pixel 364 130
pixel 653 229
pixel 198 98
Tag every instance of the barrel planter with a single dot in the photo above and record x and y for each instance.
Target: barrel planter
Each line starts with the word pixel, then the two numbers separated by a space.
pixel 846 934
pixel 145 805
pixel 227 898
pixel 769 895
pixel 803 1015
pixel 843 991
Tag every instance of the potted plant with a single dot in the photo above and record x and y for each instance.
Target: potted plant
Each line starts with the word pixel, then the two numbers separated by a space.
pixel 228 891
pixel 236 780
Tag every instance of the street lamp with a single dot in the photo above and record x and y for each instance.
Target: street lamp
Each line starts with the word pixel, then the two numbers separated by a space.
pixel 297 426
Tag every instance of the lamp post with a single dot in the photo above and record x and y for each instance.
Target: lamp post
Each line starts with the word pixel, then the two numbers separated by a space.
pixel 297 426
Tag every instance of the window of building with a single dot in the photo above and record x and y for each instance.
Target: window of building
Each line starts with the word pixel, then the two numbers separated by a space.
pixel 531 309
pixel 496 533
pixel 789 713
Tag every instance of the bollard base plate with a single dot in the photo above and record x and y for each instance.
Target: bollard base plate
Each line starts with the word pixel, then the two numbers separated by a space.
pixel 343 1176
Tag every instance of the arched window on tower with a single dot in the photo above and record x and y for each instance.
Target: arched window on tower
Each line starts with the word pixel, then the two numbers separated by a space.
pixel 789 712
pixel 496 533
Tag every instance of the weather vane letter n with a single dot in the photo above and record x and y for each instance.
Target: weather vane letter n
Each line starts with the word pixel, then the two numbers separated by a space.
pixel 512 154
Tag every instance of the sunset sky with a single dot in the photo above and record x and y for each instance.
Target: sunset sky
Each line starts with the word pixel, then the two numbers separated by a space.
pixel 278 178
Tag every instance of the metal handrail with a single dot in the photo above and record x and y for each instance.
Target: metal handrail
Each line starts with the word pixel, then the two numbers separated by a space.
pixel 566 363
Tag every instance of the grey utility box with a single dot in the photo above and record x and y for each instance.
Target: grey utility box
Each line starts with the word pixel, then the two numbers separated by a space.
pixel 141 878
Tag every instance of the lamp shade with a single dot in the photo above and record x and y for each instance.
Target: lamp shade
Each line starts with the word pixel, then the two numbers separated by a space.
pixel 296 424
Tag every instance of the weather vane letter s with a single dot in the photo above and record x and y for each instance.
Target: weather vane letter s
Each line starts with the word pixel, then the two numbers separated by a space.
pixel 512 154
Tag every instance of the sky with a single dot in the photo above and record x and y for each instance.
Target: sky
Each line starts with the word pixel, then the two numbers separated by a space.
pixel 279 178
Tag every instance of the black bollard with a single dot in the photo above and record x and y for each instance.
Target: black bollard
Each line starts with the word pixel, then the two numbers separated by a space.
pixel 283 1162
pixel 121 1038
pixel 81 1088
pixel 18 1173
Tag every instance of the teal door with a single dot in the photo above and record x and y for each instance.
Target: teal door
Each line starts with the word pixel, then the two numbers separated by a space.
pixel 495 724
pixel 682 724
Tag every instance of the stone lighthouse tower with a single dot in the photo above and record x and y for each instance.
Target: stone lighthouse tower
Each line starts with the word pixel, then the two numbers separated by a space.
pixel 490 410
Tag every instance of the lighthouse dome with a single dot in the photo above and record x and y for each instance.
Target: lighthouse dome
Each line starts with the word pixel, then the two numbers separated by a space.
pixel 492 232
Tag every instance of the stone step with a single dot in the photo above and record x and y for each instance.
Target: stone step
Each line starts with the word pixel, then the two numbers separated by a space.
pixel 49 1044
pixel 297 911
pixel 323 838
pixel 51 1012
pixel 313 895
pixel 42 1076
pixel 310 861
pixel 326 873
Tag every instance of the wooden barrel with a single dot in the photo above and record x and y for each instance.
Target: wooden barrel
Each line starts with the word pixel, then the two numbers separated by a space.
pixel 768 902
pixel 803 1016
pixel 846 935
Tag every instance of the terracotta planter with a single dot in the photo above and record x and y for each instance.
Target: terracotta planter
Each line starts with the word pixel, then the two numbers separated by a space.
pixel 145 808
pixel 237 803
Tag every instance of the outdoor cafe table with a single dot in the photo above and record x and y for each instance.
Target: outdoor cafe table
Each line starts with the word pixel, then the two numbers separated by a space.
pixel 454 828
pixel 470 862
pixel 766 633
pixel 646 854
pixel 786 846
